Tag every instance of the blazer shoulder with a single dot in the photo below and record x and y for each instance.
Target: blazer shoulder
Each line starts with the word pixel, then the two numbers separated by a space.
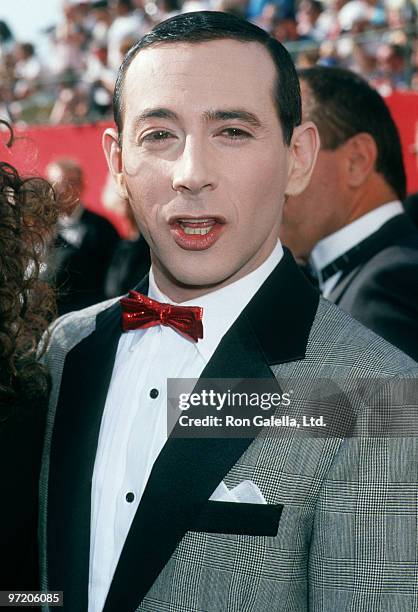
pixel 99 223
pixel 70 329
pixel 402 256
pixel 383 295
pixel 344 344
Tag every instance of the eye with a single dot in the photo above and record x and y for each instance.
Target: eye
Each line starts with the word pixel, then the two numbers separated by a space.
pixel 233 133
pixel 157 137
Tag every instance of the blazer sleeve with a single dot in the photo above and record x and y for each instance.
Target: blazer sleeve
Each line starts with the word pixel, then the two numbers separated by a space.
pixel 363 553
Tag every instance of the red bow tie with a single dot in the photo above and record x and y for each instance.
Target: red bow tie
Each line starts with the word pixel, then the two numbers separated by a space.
pixel 139 311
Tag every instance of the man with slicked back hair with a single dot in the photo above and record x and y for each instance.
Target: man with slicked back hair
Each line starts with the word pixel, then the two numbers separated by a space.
pixel 144 511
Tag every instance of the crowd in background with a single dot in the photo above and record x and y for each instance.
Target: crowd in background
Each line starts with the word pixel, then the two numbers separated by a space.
pixel 74 80
pixel 373 277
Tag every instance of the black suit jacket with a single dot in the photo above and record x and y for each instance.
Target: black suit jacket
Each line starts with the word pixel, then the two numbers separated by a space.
pixel 131 262
pixel 380 288
pixel 80 267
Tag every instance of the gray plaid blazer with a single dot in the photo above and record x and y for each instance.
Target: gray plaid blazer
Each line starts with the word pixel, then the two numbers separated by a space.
pixel 339 530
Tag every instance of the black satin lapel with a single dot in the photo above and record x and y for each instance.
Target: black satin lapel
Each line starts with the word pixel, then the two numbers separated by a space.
pixel 282 312
pixel 86 376
pixel 184 476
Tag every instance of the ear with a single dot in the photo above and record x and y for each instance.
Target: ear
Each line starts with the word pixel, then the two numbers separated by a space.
pixel 304 149
pixel 361 155
pixel 113 153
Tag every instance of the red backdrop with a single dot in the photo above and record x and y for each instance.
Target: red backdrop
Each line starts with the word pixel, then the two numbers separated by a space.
pixel 404 109
pixel 35 147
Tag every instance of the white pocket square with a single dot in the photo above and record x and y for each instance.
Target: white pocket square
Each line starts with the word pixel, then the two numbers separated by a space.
pixel 246 492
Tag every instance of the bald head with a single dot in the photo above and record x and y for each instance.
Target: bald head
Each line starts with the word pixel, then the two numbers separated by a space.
pixel 66 177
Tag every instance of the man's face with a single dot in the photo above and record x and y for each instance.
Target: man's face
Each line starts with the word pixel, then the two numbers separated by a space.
pixel 318 211
pixel 203 162
pixel 68 185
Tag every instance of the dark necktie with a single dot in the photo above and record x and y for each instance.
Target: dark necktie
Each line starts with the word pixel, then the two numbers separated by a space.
pixel 141 312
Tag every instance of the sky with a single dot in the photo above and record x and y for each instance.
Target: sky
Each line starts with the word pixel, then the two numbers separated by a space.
pixel 27 17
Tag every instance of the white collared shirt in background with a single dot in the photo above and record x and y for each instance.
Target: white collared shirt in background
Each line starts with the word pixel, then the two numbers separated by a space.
pixel 134 423
pixel 338 243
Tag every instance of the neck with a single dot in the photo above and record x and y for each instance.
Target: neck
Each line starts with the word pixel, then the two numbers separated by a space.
pixel 372 194
pixel 181 292
pixel 178 292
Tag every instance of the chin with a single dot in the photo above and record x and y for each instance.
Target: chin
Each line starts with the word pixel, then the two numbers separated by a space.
pixel 198 280
pixel 198 276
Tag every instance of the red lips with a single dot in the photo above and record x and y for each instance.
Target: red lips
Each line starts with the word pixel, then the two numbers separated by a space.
pixel 196 233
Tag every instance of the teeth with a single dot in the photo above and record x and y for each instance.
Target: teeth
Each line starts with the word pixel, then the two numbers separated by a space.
pixel 195 220
pixel 198 230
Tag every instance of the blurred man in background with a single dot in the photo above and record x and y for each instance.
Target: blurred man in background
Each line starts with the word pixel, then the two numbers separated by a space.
pixel 84 245
pixel 349 223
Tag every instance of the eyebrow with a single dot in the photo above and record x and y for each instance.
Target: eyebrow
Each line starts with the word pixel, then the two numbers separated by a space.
pixel 153 113
pixel 228 114
pixel 208 116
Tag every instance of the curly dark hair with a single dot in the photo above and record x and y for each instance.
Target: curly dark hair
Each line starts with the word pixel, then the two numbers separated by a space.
pixel 28 213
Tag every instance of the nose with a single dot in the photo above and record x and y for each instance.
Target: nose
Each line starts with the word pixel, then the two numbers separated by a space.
pixel 194 170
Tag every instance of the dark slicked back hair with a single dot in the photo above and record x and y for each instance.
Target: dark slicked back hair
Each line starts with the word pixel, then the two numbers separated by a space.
pixel 204 26
pixel 342 104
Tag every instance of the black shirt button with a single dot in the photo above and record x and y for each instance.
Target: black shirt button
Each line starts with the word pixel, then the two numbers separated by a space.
pixel 130 497
pixel 154 393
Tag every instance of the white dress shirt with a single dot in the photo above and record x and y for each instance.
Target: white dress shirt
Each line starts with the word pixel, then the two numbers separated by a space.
pixel 338 243
pixel 134 423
